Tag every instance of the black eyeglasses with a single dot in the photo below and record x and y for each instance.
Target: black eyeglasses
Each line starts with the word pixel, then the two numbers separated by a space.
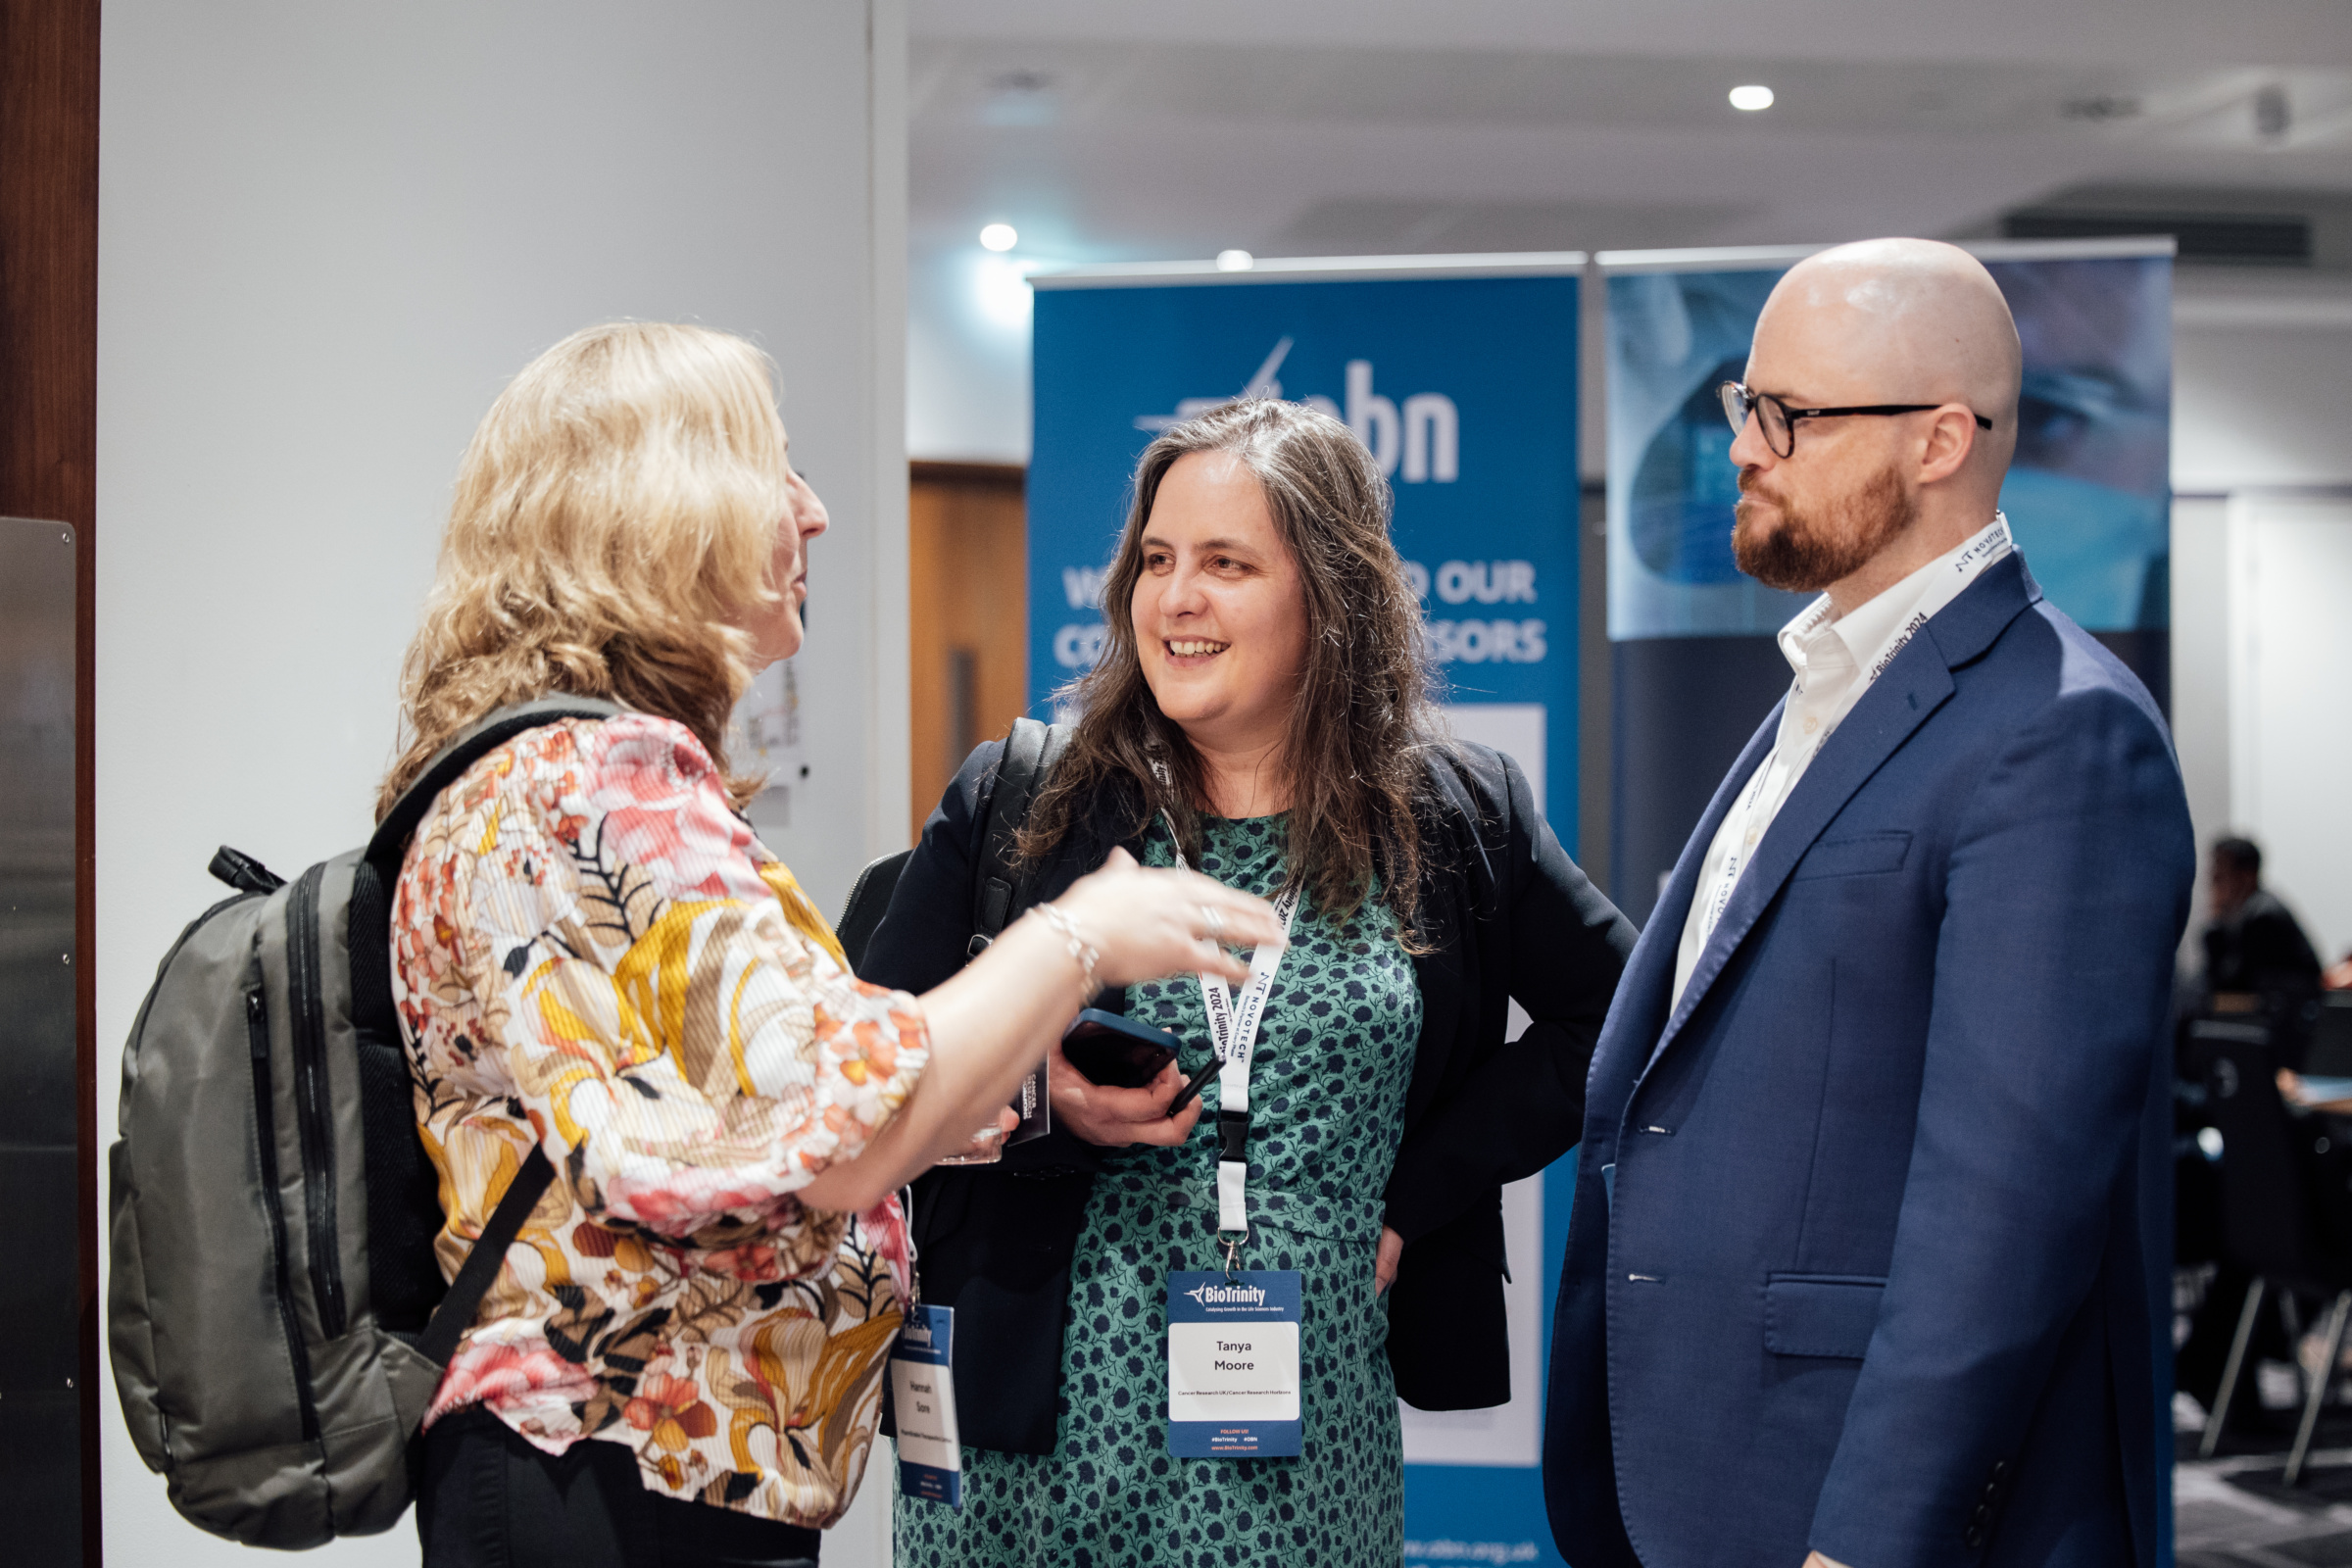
pixel 1779 420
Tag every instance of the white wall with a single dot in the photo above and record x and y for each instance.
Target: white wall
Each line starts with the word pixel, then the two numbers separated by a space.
pixel 2262 380
pixel 328 235
pixel 2201 683
pixel 2290 664
pixel 2262 578
pixel 967 357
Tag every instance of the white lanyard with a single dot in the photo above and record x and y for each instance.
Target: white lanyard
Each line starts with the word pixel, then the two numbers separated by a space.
pixel 1938 585
pixel 1232 1032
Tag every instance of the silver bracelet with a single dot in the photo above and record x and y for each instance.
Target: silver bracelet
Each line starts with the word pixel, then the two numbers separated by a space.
pixel 1085 951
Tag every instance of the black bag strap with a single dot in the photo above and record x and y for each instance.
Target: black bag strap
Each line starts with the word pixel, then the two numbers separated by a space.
pixel 455 1315
pixel 372 985
pixel 378 869
pixel 391 840
pixel 1031 752
pixel 869 901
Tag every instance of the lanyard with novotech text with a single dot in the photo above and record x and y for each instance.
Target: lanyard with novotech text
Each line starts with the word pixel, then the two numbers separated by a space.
pixel 1774 779
pixel 1233 1031
pixel 1234 1384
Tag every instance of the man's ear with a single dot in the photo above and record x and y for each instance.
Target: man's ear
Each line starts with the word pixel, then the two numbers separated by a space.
pixel 1951 441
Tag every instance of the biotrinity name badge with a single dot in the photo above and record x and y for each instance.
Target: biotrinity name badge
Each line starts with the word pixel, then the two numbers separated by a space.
pixel 922 1396
pixel 1233 1364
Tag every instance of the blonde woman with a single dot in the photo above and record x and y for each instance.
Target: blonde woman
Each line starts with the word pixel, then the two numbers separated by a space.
pixel 680 1361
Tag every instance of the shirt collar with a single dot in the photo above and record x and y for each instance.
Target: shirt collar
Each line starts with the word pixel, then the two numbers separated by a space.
pixel 1870 626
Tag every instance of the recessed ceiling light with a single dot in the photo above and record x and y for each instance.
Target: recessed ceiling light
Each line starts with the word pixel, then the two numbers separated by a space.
pixel 1752 97
pixel 1235 261
pixel 1000 237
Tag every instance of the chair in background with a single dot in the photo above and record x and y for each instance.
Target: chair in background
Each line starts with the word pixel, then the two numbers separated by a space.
pixel 2331 1051
pixel 2287 1211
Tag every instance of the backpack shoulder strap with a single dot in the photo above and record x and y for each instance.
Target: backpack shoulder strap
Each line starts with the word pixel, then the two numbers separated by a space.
pixel 869 901
pixel 455 1315
pixel 368 947
pixel 1031 752
pixel 371 927
pixel 391 838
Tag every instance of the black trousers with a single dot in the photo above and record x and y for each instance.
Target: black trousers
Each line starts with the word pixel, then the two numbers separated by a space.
pixel 489 1500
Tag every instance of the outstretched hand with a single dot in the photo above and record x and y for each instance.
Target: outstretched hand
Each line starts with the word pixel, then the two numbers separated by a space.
pixel 1149 923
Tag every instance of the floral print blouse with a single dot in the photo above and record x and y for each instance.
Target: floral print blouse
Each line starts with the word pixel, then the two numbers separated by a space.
pixel 592 952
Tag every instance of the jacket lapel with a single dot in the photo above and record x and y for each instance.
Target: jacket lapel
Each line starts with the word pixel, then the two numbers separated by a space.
pixel 1913 686
pixel 1636 1014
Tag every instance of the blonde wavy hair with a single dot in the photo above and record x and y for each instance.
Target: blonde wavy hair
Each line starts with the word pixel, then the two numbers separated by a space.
pixel 614 513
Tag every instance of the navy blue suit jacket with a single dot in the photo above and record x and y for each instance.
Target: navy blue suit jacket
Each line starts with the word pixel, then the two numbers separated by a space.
pixel 1877 1262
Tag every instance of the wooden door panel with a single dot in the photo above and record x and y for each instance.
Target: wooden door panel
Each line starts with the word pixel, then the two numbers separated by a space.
pixel 968 616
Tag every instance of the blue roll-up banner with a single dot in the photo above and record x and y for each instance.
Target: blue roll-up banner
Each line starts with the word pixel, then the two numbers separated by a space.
pixel 1461 377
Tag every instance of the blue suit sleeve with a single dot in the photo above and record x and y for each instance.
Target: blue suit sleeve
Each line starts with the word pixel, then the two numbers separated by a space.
pixel 2065 889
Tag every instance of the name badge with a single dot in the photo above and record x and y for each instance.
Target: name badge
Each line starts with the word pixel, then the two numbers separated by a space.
pixel 1232 1365
pixel 922 1392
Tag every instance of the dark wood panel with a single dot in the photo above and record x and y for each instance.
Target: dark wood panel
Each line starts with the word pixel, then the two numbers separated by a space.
pixel 967 615
pixel 48 470
pixel 992 476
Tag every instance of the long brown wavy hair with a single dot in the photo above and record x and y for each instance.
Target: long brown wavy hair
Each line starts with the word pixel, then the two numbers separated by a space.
pixel 1362 720
pixel 614 513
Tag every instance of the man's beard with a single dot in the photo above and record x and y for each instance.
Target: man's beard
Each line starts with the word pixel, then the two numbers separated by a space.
pixel 1807 553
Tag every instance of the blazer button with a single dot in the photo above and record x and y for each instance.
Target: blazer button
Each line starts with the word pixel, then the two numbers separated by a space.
pixel 1973 1535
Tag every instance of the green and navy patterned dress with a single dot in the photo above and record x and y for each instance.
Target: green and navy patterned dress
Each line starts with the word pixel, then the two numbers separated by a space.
pixel 1327 1104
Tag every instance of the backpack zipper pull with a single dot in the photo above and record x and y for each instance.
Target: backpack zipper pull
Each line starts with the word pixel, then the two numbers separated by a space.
pixel 243 873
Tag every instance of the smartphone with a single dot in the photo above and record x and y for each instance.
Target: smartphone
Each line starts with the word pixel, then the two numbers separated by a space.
pixel 1110 1049
pixel 1192 1086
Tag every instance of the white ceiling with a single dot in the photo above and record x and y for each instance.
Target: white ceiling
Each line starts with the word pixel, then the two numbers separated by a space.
pixel 2179 33
pixel 1129 131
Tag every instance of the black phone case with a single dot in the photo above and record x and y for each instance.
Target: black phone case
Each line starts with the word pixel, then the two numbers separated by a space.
pixel 1115 1052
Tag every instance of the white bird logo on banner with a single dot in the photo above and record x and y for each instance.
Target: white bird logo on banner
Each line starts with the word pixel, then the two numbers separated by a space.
pixel 1263 384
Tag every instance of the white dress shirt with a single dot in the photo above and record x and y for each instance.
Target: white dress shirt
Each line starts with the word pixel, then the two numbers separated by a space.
pixel 1835 658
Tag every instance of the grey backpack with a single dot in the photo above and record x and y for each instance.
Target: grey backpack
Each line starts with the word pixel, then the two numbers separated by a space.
pixel 275 1316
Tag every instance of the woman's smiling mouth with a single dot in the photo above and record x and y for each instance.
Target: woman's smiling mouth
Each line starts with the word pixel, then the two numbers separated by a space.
pixel 1192 647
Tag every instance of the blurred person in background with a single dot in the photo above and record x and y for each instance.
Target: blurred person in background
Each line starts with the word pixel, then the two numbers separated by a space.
pixel 2257 962
pixel 2254 946
pixel 1261 711
pixel 594 957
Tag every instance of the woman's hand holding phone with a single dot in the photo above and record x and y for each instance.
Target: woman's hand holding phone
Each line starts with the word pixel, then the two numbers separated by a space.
pixel 1116 1117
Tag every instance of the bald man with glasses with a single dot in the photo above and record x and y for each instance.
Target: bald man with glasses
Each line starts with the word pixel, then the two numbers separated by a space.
pixel 1868 1264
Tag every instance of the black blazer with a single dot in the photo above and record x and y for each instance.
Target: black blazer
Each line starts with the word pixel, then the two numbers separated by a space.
pixel 1508 916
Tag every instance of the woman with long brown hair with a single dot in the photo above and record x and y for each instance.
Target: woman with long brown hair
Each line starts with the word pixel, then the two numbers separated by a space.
pixel 1262 712
pixel 594 959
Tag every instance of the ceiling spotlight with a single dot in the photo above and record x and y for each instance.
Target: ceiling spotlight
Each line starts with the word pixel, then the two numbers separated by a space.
pixel 1000 237
pixel 1751 97
pixel 1235 261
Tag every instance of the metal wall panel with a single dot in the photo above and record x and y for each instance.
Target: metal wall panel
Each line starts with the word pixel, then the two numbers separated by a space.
pixel 40 1419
